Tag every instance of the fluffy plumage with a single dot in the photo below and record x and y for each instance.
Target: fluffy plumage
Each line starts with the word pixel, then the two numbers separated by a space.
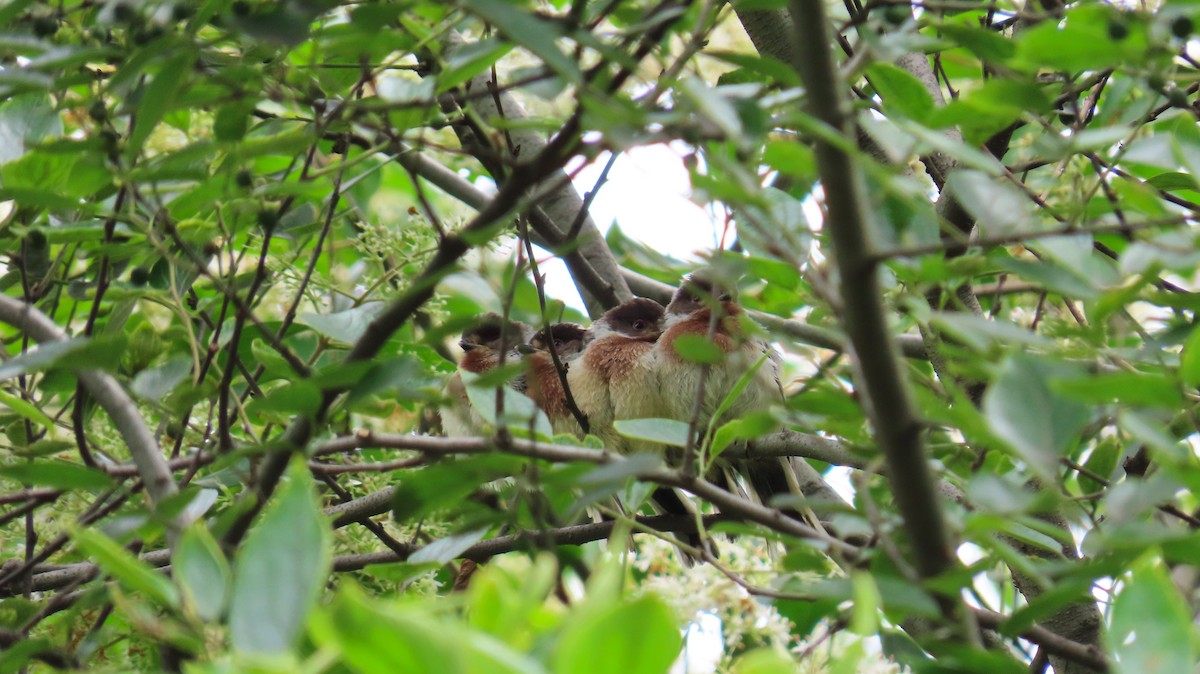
pixel 616 377
pixel 481 345
pixel 690 313
pixel 544 383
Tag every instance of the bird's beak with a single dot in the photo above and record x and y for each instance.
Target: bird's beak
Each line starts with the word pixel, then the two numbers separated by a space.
pixel 466 345
pixel 526 349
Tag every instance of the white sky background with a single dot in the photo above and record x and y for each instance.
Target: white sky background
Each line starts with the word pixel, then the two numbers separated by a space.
pixel 647 194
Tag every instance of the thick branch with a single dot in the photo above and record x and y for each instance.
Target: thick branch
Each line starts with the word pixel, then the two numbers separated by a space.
pixel 727 502
pixel 889 402
pixel 105 390
pixel 1085 654
pixel 560 209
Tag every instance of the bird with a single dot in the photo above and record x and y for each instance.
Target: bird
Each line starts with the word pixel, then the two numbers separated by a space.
pixel 482 345
pixel 543 381
pixel 615 376
pixel 691 312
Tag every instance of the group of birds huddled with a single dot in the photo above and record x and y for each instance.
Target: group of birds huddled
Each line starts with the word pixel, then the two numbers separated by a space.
pixel 634 362
pixel 626 365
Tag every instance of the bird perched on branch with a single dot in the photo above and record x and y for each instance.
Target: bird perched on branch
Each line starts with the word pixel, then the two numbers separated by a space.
pixel 482 345
pixel 698 305
pixel 704 312
pixel 616 376
pixel 544 382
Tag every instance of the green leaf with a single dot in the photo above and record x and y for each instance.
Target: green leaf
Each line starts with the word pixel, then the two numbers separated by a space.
pixel 41 358
pixel 405 377
pixel 13 659
pixel 618 472
pixel 445 549
pixel 503 604
pixel 1173 181
pixel 24 121
pixel 763 65
pixel 1151 432
pixel 736 391
pixel 775 226
pixel 469 60
pixel 375 641
pixel 749 427
pixel 37 170
pixel 281 568
pixel 158 98
pixel 998 207
pixel 792 159
pixel 387 638
pixel 44 447
pixel 1131 388
pixel 1151 629
pixel 698 349
pixel 1084 41
pixel 1189 360
pixel 529 31
pixel 57 475
pixel 667 431
pixel 345 326
pixel 232 120
pixel 900 91
pixel 154 384
pixel 201 572
pixel 127 569
pixel 865 619
pixel 447 484
pixel 273 363
pixel 764 661
pixel 633 637
pixel 984 111
pixel 519 410
pixel 1054 276
pixel 985 44
pixel 710 104
pixel 299 397
pixel 1023 410
pixel 25 409
pixel 982 333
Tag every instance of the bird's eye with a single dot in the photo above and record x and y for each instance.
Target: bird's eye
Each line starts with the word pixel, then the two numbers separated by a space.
pixel 558 343
pixel 639 325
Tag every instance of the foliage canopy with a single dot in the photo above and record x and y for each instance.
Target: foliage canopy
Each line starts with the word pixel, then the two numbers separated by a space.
pixel 239 237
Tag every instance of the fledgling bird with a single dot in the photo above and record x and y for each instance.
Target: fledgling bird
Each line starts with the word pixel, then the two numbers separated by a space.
pixel 616 377
pixel 482 345
pixel 544 384
pixel 691 313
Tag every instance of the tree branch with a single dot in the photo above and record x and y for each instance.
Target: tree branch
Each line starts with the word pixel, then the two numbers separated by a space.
pixel 578 534
pixel 727 502
pixel 561 209
pixel 105 390
pixel 888 401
